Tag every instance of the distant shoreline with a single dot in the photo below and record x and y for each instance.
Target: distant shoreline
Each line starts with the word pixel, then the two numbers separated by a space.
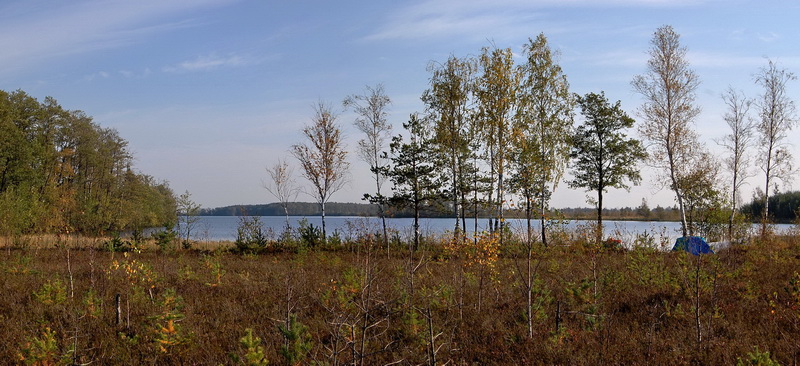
pixel 344 209
pixel 781 222
pixel 435 217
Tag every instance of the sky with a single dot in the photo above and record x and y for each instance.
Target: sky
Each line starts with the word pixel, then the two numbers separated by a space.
pixel 208 93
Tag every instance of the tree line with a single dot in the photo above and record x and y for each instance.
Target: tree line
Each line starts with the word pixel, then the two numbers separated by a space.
pixel 783 206
pixel 640 213
pixel 296 208
pixel 61 172
pixel 496 136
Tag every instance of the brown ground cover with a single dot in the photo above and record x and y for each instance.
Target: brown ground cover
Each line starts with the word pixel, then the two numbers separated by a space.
pixel 354 304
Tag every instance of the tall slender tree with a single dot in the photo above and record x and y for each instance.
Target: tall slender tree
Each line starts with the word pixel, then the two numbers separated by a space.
pixel 524 182
pixel 544 122
pixel 523 179
pixel 496 93
pixel 477 183
pixel 414 171
pixel 736 142
pixel 603 156
pixel 669 110
pixel 777 117
pixel 371 110
pixel 323 157
pixel 282 186
pixel 447 103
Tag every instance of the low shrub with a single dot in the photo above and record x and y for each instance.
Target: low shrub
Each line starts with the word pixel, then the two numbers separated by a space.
pixel 310 235
pixel 165 240
pixel 116 244
pixel 250 235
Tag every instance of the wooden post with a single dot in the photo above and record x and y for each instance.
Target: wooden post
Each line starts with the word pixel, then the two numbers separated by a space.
pixel 558 316
pixel 118 309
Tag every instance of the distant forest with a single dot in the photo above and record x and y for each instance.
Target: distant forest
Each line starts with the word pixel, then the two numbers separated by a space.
pixel 310 209
pixel 295 208
pixel 364 209
pixel 783 207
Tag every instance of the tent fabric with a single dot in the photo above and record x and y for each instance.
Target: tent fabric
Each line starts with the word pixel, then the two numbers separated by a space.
pixel 693 244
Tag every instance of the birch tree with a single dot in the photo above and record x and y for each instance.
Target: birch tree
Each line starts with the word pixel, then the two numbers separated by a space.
pixel 541 142
pixel 544 121
pixel 447 104
pixel 736 143
pixel 496 93
pixel 323 157
pixel 668 111
pixel 282 186
pixel 777 116
pixel 371 110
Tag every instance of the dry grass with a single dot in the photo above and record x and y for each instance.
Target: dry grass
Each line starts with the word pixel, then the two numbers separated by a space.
pixel 632 307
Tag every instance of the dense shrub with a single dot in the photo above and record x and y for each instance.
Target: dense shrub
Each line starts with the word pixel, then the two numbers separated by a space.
pixel 250 236
pixel 165 239
pixel 117 244
pixel 310 235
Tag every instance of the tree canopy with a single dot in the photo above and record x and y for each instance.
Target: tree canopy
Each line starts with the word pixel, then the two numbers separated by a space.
pixel 603 156
pixel 669 110
pixel 62 172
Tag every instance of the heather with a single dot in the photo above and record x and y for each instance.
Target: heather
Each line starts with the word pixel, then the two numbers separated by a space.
pixel 352 301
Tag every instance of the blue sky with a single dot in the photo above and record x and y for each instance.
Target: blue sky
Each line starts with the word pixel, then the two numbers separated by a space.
pixel 210 92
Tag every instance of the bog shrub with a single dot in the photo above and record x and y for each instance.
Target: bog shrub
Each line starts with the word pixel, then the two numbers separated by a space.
pixel 310 235
pixel 43 350
pixel 298 341
pixel 52 292
pixel 116 244
pixel 254 352
pixel 757 358
pixel 165 239
pixel 250 235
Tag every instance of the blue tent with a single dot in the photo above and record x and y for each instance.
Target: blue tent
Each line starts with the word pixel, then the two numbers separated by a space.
pixel 693 244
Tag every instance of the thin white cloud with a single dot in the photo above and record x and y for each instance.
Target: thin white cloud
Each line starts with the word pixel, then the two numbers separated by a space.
pixel 31 32
pixel 769 37
pixel 97 75
pixel 210 62
pixel 624 58
pixel 474 17
pixel 128 74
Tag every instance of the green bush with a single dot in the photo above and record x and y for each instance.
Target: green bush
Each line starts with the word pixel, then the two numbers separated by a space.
pixel 310 235
pixel 250 236
pixel 254 352
pixel 757 358
pixel 298 341
pixel 116 244
pixel 52 292
pixel 165 239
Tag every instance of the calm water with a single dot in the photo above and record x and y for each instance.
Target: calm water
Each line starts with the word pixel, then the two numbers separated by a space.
pixel 224 227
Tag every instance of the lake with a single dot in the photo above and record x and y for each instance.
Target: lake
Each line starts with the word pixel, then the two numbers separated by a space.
pixel 223 228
